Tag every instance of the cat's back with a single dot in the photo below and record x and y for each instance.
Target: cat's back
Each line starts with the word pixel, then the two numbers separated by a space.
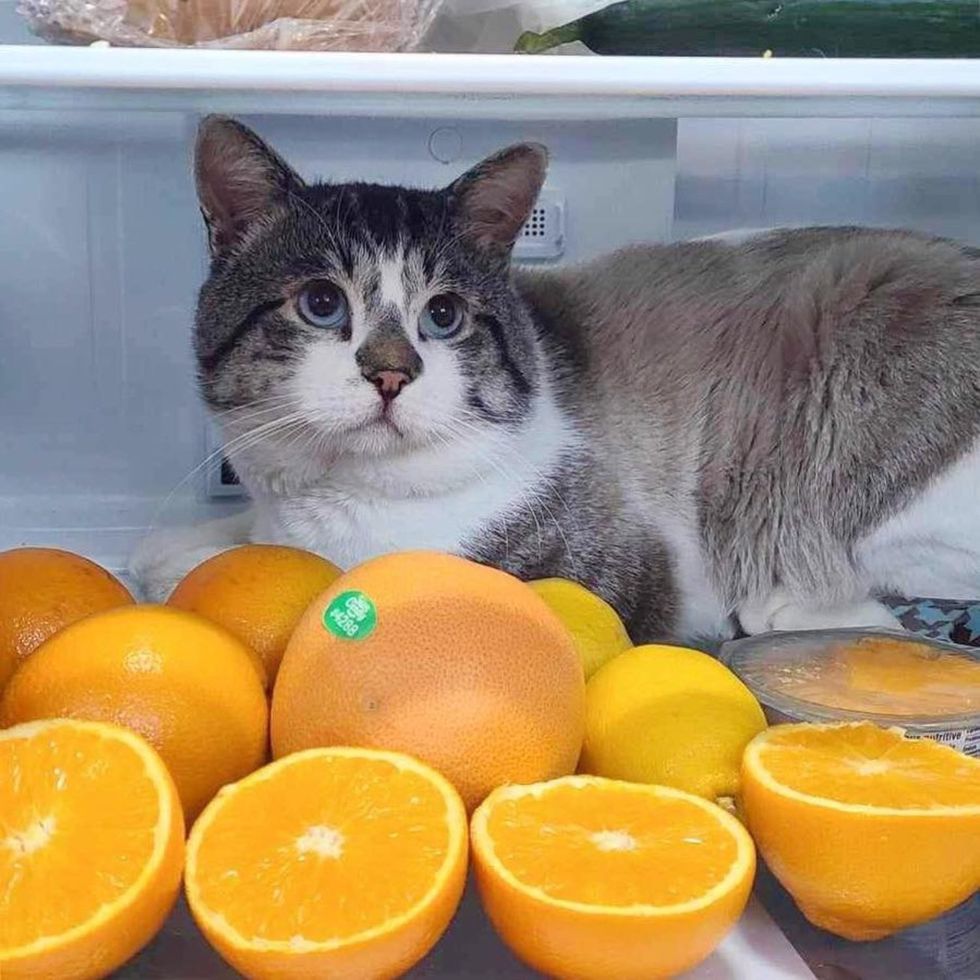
pixel 673 314
pixel 776 406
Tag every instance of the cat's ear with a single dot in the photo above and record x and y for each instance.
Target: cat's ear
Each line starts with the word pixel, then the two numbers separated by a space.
pixel 239 178
pixel 493 201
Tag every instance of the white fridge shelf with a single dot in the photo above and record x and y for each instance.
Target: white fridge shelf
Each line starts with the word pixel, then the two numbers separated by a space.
pixel 481 86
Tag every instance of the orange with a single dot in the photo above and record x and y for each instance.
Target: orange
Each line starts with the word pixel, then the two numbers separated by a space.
pixel 588 878
pixel 341 863
pixel 91 849
pixel 455 663
pixel 886 675
pixel 43 590
pixel 258 592
pixel 189 687
pixel 868 830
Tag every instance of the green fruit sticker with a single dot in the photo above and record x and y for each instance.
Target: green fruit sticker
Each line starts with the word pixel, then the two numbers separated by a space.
pixel 351 616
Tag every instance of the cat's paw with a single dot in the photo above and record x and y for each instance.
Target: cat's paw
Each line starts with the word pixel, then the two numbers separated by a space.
pixel 781 612
pixel 163 558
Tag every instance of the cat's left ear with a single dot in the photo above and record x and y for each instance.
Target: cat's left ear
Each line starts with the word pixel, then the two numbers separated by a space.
pixel 493 201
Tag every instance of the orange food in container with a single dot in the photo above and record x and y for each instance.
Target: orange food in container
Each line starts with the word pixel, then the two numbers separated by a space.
pixel 927 687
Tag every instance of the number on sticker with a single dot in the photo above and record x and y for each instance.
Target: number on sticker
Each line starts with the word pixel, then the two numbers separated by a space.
pixel 344 622
pixel 358 608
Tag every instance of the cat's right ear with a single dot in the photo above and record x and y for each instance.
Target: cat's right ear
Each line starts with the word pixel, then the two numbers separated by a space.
pixel 493 201
pixel 239 178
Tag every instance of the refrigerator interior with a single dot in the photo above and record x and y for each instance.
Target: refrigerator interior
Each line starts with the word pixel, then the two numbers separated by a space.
pixel 101 431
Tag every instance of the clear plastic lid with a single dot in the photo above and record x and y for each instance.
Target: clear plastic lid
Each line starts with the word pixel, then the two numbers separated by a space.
pixel 889 677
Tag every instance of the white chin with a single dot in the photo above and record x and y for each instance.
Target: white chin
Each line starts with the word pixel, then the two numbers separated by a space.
pixel 377 437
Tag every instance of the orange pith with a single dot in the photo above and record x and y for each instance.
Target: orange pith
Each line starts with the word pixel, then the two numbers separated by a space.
pixel 342 860
pixel 91 848
pixel 864 765
pixel 588 878
pixel 635 850
pixel 305 861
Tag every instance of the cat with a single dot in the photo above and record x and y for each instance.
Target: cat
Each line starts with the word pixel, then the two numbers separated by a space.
pixel 713 436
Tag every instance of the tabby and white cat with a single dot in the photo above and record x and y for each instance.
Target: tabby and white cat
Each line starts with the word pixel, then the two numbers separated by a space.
pixel 772 432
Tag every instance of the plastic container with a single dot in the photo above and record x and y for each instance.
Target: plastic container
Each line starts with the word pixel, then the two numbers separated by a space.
pixel 929 688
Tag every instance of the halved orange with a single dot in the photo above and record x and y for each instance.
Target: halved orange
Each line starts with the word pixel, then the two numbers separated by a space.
pixel 868 830
pixel 591 878
pixel 334 862
pixel 91 848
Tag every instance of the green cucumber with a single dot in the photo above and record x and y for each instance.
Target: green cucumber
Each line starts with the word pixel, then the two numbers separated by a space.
pixel 793 28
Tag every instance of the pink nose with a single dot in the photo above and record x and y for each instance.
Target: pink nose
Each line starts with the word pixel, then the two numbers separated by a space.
pixel 389 383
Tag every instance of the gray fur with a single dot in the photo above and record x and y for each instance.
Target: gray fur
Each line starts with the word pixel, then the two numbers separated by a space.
pixel 782 397
pixel 806 385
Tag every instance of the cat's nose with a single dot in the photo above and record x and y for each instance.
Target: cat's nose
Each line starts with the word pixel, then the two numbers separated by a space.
pixel 389 383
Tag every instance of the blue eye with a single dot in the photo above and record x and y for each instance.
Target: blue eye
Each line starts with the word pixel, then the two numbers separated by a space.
pixel 442 317
pixel 322 304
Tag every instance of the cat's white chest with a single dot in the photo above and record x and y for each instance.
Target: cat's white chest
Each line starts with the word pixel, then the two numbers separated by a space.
pixel 436 500
pixel 350 531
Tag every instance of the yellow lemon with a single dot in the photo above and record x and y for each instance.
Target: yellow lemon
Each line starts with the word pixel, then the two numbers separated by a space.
pixel 597 630
pixel 671 716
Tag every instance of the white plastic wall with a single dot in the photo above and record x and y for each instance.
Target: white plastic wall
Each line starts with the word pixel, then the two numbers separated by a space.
pixel 101 253
pixel 917 173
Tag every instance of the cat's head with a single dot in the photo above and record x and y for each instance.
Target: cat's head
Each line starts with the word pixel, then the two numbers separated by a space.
pixel 356 318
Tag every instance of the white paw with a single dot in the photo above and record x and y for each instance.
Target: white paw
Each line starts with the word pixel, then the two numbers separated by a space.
pixel 163 558
pixel 780 611
pixel 756 616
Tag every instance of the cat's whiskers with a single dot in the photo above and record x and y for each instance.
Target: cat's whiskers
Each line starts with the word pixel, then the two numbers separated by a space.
pixel 264 430
pixel 507 445
pixel 255 434
pixel 254 408
pixel 286 475
pixel 446 245
pixel 536 492
pixel 301 435
pixel 543 479
pixel 294 198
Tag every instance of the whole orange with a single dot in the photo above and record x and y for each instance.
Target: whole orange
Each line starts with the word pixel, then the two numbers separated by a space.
pixel 193 690
pixel 43 590
pixel 258 592
pixel 460 665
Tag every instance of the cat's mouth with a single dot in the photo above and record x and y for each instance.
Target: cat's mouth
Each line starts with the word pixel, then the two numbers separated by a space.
pixel 384 419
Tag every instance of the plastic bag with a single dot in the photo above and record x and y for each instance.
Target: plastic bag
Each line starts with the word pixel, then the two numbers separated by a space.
pixel 310 25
